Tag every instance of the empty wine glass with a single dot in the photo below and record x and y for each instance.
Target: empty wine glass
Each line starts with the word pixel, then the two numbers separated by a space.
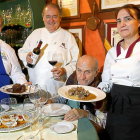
pixel 9 119
pixel 33 95
pixel 42 97
pixel 30 109
pixel 55 59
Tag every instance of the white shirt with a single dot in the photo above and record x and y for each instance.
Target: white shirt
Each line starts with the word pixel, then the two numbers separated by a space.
pixel 11 64
pixel 41 73
pixel 121 70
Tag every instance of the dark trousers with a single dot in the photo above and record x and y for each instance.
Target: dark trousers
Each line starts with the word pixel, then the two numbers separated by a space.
pixel 123 119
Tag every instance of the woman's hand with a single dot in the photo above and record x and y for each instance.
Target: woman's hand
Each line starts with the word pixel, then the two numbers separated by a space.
pixel 28 58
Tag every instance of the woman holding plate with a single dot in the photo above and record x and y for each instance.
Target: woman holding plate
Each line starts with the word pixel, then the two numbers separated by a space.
pixel 9 66
pixel 121 77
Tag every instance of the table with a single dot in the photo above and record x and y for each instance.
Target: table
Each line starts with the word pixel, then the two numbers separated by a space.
pixel 85 131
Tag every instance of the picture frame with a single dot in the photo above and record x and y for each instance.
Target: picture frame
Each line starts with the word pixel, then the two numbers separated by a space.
pixel 111 33
pixel 69 8
pixel 78 32
pixel 110 5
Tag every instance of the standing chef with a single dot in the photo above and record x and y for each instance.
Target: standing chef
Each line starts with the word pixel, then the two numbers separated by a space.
pixel 9 66
pixel 121 76
pixel 57 40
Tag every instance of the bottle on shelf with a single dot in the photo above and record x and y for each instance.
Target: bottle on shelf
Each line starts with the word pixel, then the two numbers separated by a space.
pixel 36 53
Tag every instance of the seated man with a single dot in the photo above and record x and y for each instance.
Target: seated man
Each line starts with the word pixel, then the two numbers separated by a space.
pixel 85 74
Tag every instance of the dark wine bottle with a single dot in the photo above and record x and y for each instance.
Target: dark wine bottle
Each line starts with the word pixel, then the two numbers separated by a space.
pixel 36 53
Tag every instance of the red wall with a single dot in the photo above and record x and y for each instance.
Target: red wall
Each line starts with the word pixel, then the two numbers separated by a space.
pixel 93 42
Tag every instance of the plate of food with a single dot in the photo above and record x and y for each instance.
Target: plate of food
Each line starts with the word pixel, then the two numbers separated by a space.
pixel 81 93
pixel 20 124
pixel 55 109
pixel 18 89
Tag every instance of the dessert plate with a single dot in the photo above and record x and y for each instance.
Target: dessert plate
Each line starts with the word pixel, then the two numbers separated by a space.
pixel 62 127
pixel 17 127
pixel 4 89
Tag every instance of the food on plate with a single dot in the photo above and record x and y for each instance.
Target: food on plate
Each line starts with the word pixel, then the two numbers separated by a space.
pixel 80 93
pixel 17 88
pixel 20 121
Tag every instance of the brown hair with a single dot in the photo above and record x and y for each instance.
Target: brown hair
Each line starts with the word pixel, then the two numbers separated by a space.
pixel 52 5
pixel 129 7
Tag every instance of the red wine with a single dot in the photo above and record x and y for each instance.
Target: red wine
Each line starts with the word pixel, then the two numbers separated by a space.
pixel 36 53
pixel 52 62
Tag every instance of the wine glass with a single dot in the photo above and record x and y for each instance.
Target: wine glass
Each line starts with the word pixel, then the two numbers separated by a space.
pixel 55 59
pixel 41 98
pixel 9 118
pixel 33 95
pixel 30 109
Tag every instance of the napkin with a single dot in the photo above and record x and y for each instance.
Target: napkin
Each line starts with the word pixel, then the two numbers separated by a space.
pixel 51 110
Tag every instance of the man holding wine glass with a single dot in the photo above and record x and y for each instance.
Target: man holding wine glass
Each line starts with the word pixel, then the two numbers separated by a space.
pixel 56 41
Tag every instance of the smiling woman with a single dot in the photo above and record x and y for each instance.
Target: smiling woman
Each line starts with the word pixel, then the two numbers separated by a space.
pixel 121 77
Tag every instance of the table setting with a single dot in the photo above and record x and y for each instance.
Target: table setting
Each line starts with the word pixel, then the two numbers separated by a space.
pixel 36 120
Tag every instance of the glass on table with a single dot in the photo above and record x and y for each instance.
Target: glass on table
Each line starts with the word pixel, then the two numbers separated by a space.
pixel 9 119
pixel 42 97
pixel 29 108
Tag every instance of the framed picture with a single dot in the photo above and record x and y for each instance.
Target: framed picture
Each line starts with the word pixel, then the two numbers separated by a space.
pixel 111 33
pixel 78 32
pixel 69 8
pixel 109 5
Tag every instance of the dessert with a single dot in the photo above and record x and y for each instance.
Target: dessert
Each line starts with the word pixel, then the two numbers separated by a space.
pixel 17 88
pixel 20 121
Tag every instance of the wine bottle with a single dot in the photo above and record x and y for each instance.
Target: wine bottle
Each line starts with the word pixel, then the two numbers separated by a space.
pixel 36 53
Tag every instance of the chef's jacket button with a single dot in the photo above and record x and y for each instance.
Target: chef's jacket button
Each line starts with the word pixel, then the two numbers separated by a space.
pixel 112 74
pixel 127 76
pixel 115 61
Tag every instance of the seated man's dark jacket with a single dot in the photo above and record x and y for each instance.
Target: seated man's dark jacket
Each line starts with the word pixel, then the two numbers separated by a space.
pixel 72 80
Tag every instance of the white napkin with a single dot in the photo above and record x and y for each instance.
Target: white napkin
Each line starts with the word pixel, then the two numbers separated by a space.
pixel 51 110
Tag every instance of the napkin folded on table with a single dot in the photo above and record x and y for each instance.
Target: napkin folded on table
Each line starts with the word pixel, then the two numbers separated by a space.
pixel 52 110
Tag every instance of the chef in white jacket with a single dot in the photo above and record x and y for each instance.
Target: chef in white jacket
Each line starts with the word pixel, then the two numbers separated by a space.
pixel 121 77
pixel 55 39
pixel 9 66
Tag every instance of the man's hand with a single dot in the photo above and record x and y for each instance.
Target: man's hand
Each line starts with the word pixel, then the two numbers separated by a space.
pixel 28 58
pixel 58 72
pixel 75 114
pixel 28 83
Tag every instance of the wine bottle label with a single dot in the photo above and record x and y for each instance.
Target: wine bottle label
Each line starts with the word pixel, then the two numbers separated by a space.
pixel 34 57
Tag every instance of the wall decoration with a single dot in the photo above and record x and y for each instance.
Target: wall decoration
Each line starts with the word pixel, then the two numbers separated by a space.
pixel 111 33
pixel 78 32
pixel 109 5
pixel 70 8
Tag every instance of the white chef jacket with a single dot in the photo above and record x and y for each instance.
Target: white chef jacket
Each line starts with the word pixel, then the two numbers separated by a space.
pixel 11 64
pixel 61 41
pixel 120 70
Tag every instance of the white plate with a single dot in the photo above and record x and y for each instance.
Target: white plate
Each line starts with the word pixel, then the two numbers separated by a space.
pixel 55 109
pixel 99 93
pixel 5 107
pixel 3 89
pixel 27 107
pixel 62 127
pixel 18 127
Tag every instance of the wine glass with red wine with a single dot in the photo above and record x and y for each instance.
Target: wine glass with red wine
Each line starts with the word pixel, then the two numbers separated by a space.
pixel 55 59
